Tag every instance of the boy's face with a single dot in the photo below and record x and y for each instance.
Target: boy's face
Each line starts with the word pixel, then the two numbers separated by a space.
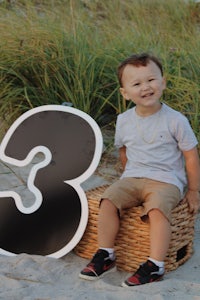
pixel 143 85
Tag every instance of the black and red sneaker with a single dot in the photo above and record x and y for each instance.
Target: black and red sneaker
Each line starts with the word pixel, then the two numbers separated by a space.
pixel 147 272
pixel 100 265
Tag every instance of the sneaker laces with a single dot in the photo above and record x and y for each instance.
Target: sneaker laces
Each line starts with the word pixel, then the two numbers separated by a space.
pixel 147 268
pixel 101 255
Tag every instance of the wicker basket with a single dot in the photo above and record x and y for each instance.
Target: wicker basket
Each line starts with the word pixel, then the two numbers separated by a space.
pixel 132 243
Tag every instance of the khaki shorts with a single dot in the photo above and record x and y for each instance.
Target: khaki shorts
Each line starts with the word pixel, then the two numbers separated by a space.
pixel 130 192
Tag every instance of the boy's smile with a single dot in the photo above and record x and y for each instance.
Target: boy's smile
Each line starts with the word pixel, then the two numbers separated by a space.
pixel 144 86
pixel 147 95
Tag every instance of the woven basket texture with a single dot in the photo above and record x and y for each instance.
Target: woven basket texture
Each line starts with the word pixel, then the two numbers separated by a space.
pixel 132 243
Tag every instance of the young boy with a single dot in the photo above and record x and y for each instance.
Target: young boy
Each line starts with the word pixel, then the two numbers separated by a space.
pixel 157 148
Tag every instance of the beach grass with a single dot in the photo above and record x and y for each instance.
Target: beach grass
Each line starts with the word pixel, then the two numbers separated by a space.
pixel 68 51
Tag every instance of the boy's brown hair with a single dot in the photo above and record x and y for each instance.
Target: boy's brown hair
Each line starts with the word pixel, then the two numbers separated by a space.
pixel 137 60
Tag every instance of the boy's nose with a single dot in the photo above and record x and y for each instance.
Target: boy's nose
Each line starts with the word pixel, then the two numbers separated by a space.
pixel 145 86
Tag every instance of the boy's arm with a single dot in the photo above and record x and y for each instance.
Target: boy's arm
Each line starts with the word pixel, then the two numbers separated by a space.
pixel 122 156
pixel 192 165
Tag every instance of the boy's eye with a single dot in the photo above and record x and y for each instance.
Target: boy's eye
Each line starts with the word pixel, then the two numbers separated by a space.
pixel 135 84
pixel 151 79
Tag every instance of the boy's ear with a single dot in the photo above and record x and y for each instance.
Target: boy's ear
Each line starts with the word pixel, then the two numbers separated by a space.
pixel 123 93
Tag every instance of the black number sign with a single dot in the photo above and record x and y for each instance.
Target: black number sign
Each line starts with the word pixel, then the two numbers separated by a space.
pixel 71 143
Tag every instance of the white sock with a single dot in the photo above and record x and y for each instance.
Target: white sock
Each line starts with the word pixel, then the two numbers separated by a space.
pixel 110 251
pixel 160 264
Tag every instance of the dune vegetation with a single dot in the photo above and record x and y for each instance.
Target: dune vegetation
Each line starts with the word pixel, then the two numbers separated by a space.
pixel 68 51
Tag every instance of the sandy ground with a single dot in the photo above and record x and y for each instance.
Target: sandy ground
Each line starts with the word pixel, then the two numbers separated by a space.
pixel 31 277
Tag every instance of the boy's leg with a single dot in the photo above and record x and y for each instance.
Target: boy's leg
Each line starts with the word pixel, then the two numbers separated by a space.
pixel 122 195
pixel 163 198
pixel 108 226
pixel 153 269
pixel 160 235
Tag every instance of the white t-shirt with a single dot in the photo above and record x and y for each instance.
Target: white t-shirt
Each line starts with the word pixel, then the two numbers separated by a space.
pixel 154 144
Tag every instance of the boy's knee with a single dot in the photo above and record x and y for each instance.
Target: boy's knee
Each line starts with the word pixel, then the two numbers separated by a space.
pixel 108 205
pixel 156 214
pixel 106 202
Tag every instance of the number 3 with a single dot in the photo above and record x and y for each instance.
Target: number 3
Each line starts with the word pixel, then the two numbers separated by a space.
pixel 71 142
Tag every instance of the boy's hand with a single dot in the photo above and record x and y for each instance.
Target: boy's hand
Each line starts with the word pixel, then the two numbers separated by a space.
pixel 193 199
